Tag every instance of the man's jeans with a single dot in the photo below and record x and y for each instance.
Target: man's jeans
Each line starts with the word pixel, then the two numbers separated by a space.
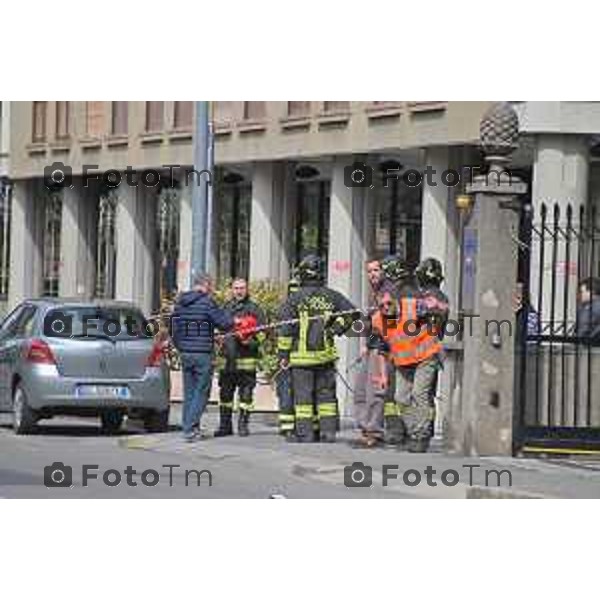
pixel 197 380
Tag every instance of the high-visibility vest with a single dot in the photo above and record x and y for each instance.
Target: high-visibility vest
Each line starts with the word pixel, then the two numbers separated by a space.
pixel 408 344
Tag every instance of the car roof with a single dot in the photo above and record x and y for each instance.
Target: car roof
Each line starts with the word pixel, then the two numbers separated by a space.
pixel 52 301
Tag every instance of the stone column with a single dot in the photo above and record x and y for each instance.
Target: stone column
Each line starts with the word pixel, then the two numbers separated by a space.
pixel 440 238
pixel 26 225
pixel 185 238
pixel 560 176
pixel 346 256
pixel 267 214
pixel 77 243
pixel 489 350
pixel 135 247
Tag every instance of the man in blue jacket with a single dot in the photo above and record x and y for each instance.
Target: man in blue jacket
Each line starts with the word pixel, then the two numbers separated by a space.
pixel 194 319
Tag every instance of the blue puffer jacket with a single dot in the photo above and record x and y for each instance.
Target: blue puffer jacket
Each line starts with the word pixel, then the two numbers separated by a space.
pixel 194 319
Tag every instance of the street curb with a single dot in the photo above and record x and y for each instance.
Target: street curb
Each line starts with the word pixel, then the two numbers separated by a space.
pixel 477 492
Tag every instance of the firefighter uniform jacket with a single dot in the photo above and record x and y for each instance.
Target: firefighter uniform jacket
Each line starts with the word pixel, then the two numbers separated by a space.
pixel 237 354
pixel 309 341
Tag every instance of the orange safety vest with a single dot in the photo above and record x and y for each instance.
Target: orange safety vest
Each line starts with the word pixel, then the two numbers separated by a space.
pixel 407 346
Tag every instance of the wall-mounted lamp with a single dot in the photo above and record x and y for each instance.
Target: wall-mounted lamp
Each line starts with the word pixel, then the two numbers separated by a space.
pixel 463 202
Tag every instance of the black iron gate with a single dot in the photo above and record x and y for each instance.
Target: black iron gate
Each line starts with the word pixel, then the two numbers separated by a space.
pixel 558 353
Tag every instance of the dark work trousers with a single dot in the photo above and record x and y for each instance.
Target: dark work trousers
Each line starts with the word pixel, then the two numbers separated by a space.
pixel 242 381
pixel 283 385
pixel 368 401
pixel 315 394
pixel 415 395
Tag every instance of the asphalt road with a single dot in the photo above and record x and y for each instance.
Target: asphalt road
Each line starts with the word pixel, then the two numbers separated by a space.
pixel 260 466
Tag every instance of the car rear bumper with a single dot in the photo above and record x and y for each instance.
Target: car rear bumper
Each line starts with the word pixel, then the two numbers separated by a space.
pixel 46 389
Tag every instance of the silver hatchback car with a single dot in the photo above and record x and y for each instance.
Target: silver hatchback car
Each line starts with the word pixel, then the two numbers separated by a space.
pixel 61 357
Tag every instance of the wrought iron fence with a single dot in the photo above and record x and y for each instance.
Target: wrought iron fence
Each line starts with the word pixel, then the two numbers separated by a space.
pixel 558 346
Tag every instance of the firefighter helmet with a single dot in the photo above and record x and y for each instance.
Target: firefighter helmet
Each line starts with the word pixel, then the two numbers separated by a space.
pixel 430 272
pixel 394 268
pixel 310 268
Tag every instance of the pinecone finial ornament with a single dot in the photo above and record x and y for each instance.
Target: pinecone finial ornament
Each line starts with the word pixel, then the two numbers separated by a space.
pixel 499 132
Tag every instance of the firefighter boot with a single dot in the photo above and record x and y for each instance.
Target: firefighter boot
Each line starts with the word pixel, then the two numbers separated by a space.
pixel 243 419
pixel 304 432
pixel 418 444
pixel 395 430
pixel 328 430
pixel 225 425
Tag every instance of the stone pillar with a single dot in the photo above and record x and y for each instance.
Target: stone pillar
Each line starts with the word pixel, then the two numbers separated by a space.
pixel 288 215
pixel 77 243
pixel 440 238
pixel 185 238
pixel 346 256
pixel 135 246
pixel 489 351
pixel 26 225
pixel 267 214
pixel 560 176
pixel 435 231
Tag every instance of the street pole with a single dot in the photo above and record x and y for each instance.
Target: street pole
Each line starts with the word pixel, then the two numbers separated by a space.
pixel 200 191
pixel 210 196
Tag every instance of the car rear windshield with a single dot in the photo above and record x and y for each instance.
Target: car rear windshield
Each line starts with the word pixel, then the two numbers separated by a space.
pixel 93 322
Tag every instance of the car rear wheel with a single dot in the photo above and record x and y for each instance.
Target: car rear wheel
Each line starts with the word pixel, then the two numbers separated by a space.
pixel 111 421
pixel 24 417
pixel 157 421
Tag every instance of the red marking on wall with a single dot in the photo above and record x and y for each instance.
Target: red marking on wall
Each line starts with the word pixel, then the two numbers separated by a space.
pixel 340 266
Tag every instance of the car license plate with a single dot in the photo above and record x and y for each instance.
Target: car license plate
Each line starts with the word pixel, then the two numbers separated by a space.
pixel 102 391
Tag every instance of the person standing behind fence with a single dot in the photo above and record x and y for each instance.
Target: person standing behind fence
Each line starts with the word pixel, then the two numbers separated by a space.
pixel 588 313
pixel 194 319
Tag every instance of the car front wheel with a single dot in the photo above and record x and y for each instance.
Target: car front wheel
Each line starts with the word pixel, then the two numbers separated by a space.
pixel 23 415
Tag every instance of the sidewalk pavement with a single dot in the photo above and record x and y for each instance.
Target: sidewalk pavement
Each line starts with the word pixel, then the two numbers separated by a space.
pixel 323 464
pixel 265 399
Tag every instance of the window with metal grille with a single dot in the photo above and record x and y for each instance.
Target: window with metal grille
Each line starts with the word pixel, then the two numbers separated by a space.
pixel 336 106
pixel 397 220
pixel 5 208
pixel 62 120
pixel 94 119
pixel 298 109
pixel 155 112
pixel 168 209
pixel 254 110
pixel 38 132
pixel 51 243
pixel 120 118
pixel 234 208
pixel 312 219
pixel 106 252
pixel 184 115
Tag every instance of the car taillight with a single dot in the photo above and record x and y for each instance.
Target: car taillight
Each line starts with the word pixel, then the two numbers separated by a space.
pixel 155 357
pixel 39 352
